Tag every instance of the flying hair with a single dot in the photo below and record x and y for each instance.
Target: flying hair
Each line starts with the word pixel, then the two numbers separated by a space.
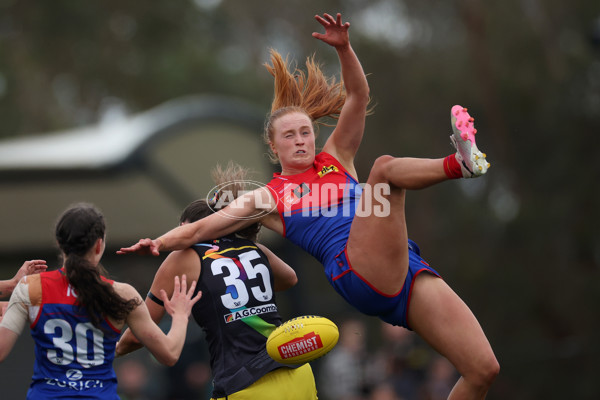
pixel 230 183
pixel 311 92
pixel 317 95
pixel 230 179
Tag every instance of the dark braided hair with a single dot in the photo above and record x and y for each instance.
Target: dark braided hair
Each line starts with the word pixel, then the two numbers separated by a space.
pixel 77 231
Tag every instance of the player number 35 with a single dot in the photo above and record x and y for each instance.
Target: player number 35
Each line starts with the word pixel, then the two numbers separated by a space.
pixel 240 296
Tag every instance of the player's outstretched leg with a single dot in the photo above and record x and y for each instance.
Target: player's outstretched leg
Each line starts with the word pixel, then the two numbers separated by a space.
pixel 472 161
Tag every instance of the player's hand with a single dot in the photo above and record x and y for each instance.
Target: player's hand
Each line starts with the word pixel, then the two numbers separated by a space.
pixel 181 302
pixel 30 267
pixel 143 247
pixel 336 32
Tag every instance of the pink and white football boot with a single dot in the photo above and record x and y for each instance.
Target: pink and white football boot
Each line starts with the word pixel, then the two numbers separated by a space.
pixel 472 161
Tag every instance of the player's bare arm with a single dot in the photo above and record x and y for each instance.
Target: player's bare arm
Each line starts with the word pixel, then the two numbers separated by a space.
pixel 284 276
pixel 177 263
pixel 345 140
pixel 166 348
pixel 29 267
pixel 242 212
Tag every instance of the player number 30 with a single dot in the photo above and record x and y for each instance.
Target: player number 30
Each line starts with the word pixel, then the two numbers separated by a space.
pixel 64 352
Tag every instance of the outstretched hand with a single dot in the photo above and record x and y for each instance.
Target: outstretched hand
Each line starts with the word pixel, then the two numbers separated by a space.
pixel 30 267
pixel 336 32
pixel 181 302
pixel 143 246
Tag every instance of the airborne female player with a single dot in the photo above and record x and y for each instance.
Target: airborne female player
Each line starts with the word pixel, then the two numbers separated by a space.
pixel 367 256
pixel 238 309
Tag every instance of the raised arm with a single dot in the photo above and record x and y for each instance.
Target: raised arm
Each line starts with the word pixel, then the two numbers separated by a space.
pixel 347 135
pixel 166 348
pixel 178 263
pixel 242 212
pixel 28 268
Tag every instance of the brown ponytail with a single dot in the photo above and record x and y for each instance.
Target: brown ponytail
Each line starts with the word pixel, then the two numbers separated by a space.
pixel 77 231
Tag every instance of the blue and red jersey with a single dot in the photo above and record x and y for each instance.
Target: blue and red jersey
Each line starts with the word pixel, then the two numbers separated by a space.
pixel 73 358
pixel 317 206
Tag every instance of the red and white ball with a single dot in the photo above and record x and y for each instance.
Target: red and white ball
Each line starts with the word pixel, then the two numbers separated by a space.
pixel 302 339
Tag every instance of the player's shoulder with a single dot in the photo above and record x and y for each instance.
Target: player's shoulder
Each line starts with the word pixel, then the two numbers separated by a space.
pixel 180 259
pixel 125 290
pixel 33 279
pixel 34 287
pixel 180 262
pixel 263 198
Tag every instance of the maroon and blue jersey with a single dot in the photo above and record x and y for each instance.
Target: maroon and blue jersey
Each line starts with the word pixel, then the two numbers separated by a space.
pixel 316 208
pixel 73 358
